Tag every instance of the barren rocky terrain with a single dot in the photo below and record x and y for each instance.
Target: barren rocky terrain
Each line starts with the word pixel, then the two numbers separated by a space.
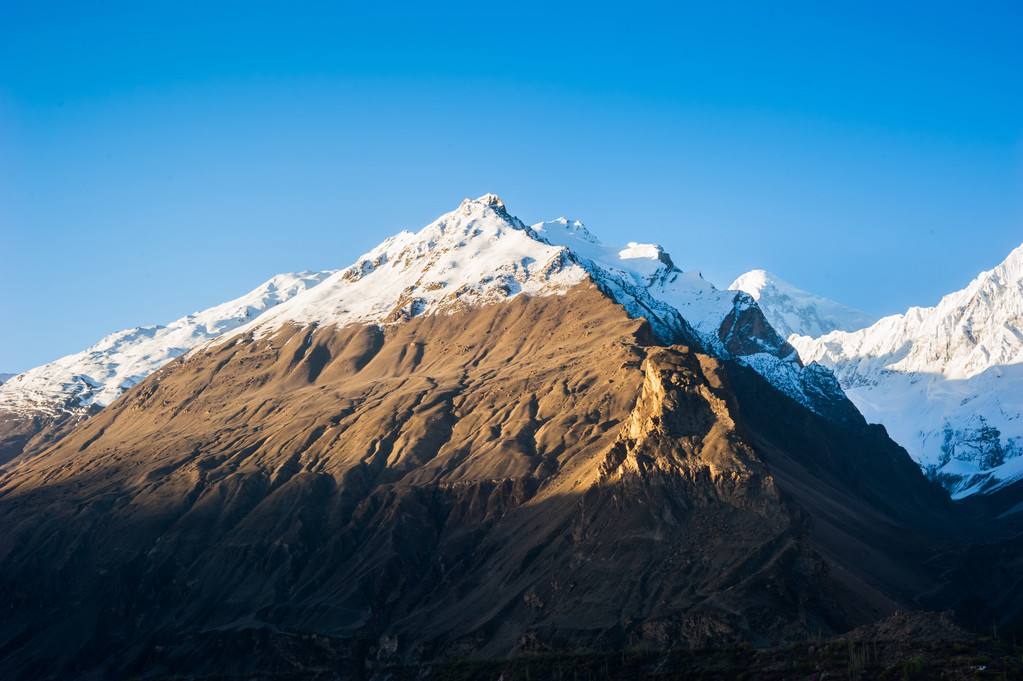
pixel 542 474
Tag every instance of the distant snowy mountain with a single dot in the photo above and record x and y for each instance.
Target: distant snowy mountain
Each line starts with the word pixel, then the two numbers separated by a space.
pixel 97 375
pixel 945 380
pixel 794 311
pixel 6 377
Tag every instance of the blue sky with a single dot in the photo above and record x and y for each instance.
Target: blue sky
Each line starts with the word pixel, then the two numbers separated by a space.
pixel 155 160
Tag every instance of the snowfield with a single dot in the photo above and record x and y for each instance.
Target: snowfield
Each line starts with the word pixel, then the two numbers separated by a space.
pixel 794 311
pixel 944 380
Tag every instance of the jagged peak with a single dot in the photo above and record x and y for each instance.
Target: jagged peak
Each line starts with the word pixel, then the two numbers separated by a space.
pixel 488 199
pixel 930 373
pixel 1014 259
pixel 488 202
pixel 1005 273
pixel 753 282
pixel 639 260
pixel 793 311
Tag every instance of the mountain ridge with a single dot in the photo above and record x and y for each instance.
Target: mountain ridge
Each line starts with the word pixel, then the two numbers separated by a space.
pixel 36 404
pixel 480 254
pixel 793 311
pixel 483 439
pixel 941 378
pixel 474 255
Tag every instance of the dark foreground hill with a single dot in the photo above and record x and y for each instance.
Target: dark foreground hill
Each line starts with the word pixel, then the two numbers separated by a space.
pixel 537 475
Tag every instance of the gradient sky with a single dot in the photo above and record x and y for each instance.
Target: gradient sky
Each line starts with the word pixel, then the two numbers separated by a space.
pixel 156 160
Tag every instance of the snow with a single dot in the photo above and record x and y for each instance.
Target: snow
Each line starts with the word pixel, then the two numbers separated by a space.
pixel 636 251
pixel 702 304
pixel 97 375
pixel 474 255
pixel 965 334
pixel 477 254
pixel 966 478
pixel 794 311
pixel 944 380
pixel 649 267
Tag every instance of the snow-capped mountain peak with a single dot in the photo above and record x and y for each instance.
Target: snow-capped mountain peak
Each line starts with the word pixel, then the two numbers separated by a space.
pixel 489 199
pixel 967 333
pixel 943 379
pixel 480 254
pixel 474 255
pixel 792 310
pixel 477 254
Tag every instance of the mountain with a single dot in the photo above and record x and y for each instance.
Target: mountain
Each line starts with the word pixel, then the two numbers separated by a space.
pixel 481 439
pixel 794 311
pixel 5 377
pixel 480 254
pixel 451 271
pixel 37 404
pixel 943 380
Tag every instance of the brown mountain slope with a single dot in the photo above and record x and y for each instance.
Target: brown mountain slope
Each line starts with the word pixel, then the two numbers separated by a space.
pixel 16 431
pixel 30 432
pixel 529 474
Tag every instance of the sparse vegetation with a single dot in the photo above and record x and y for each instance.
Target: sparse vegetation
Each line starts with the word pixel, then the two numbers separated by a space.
pixel 857 660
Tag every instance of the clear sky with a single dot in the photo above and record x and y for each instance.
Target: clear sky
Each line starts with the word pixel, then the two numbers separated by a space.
pixel 156 160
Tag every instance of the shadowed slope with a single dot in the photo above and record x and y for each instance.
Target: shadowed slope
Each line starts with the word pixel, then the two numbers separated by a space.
pixel 530 474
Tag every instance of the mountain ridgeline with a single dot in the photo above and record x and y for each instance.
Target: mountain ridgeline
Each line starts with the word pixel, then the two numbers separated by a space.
pixel 484 439
pixel 944 380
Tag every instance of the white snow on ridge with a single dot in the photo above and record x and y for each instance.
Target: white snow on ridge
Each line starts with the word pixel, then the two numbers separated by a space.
pixel 479 254
pixel 97 375
pixel 945 380
pixel 794 311
pixel 471 256
pixel 475 255
pixel 965 334
pixel 651 269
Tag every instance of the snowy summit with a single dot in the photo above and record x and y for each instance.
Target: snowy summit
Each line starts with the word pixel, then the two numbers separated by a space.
pixel 792 310
pixel 944 380
pixel 477 254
